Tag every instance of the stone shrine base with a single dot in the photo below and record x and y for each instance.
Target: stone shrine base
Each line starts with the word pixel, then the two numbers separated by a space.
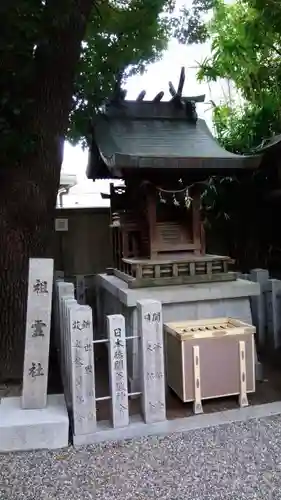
pixel 22 430
pixel 179 303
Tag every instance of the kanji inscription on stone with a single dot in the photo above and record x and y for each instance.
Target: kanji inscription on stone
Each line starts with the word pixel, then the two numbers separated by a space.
pixel 150 326
pixel 118 370
pixel 37 333
pixel 83 373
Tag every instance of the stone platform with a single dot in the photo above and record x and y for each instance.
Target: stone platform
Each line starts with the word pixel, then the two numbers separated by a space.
pixel 138 429
pixel 179 303
pixel 22 430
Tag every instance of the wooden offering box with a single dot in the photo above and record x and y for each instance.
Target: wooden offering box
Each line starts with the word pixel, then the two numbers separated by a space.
pixel 210 358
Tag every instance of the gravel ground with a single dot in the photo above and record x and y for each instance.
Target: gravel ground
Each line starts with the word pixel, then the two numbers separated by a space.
pixel 232 462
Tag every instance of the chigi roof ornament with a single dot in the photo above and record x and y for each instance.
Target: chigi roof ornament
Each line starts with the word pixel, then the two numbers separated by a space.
pixel 141 135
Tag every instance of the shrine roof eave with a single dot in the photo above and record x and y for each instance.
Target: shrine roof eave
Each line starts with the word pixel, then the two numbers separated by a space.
pixel 121 161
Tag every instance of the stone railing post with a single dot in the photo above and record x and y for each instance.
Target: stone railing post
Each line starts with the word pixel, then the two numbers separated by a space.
pixel 118 370
pixel 83 371
pixel 150 325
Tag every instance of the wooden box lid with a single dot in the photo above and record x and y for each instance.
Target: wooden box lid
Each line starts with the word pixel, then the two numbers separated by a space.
pixel 208 328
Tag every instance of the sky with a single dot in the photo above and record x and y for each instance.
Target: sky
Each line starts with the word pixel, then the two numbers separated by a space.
pixel 86 193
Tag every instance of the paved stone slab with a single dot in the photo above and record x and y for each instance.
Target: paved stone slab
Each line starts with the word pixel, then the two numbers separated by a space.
pixel 138 429
pixel 33 429
pixel 237 461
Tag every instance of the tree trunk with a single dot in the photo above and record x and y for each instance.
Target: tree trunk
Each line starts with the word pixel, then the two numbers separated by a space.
pixel 26 230
pixel 28 190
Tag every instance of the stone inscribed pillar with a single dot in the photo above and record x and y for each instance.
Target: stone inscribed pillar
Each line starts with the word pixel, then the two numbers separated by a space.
pixel 273 312
pixel 59 275
pixel 64 338
pixel 258 304
pixel 83 372
pixel 67 303
pixel 118 370
pixel 63 289
pixel 80 289
pixel 152 351
pixel 37 334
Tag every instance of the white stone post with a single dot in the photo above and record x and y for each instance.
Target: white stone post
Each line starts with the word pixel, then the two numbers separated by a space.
pixel 67 303
pixel 152 352
pixel 258 304
pixel 63 289
pixel 59 275
pixel 80 289
pixel 118 370
pixel 244 276
pixel 83 372
pixel 273 312
pixel 37 334
pixel 65 340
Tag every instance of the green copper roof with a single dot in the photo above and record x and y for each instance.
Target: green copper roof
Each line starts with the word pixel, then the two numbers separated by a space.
pixel 158 137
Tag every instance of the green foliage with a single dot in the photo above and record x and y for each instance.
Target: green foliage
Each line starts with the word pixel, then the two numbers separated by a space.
pixel 122 36
pixel 19 31
pixel 243 129
pixel 246 49
pixel 119 38
pixel 190 26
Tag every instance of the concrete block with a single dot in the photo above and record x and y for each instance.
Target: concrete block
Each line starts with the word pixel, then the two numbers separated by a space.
pixel 179 303
pixel 177 294
pixel 22 430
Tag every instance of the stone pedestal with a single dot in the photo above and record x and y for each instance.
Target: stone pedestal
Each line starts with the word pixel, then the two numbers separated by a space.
pixel 22 430
pixel 179 303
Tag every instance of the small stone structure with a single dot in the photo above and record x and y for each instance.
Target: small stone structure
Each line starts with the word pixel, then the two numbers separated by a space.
pixel 266 308
pixel 76 345
pixel 133 333
pixel 179 303
pixel 35 420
